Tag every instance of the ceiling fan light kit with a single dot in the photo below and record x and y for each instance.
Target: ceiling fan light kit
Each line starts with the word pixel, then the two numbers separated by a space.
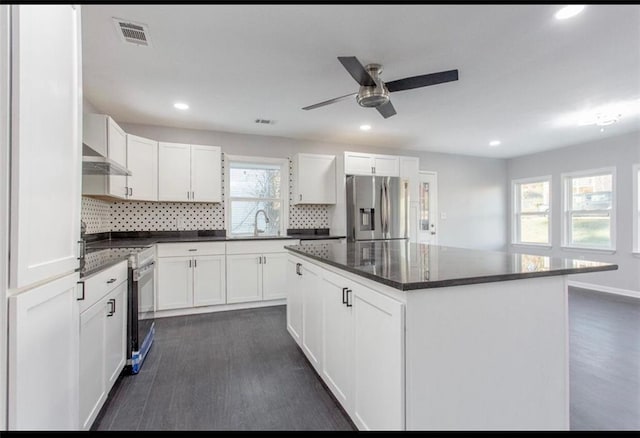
pixel 374 93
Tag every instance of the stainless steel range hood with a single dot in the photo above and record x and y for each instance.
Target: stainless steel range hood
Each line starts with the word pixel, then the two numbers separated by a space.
pixel 95 164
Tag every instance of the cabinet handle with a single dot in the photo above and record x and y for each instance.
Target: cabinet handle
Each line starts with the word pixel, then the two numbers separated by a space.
pixel 193 249
pixel 126 190
pixel 131 191
pixel 344 290
pixel 112 305
pixel 193 196
pixel 298 266
pixel 111 280
pixel 195 263
pixel 81 249
pixel 265 260
pixel 301 196
pixel 188 194
pixel 189 262
pixel 349 303
pixel 260 260
pixel 81 296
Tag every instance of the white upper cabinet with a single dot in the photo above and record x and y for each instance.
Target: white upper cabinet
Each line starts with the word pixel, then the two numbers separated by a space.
pixel 142 161
pixel 206 173
pixel 314 179
pixel 45 139
pixel 356 163
pixel 409 171
pixel 189 172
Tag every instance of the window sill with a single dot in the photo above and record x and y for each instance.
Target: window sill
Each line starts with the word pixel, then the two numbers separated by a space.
pixel 593 250
pixel 532 245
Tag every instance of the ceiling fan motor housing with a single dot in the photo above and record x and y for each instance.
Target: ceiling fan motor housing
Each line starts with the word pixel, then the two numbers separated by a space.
pixel 373 96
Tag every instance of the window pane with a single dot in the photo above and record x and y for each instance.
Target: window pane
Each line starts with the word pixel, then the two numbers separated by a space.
pixel 534 197
pixel 591 230
pixel 243 216
pixel 424 205
pixel 534 229
pixel 254 182
pixel 592 192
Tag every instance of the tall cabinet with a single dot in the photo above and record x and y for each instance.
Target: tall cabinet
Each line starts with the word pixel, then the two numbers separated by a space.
pixel 45 140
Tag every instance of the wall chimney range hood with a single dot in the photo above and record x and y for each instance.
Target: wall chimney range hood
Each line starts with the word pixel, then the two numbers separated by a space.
pixel 95 164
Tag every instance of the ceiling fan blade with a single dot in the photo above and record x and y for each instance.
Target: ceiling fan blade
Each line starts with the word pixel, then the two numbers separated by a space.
pixel 356 70
pixel 328 102
pixel 422 80
pixel 387 110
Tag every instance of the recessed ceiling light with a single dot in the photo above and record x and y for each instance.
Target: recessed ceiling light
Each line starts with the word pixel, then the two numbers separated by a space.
pixel 568 12
pixel 365 127
pixel 494 143
pixel 181 106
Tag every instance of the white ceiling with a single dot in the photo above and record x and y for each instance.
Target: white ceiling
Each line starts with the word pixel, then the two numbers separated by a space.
pixel 523 74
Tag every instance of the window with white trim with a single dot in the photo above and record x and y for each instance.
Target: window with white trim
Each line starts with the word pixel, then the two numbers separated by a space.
pixel 589 209
pixel 532 211
pixel 636 208
pixel 256 191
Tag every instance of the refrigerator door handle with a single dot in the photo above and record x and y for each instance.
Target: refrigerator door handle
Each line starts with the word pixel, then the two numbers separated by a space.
pixel 383 214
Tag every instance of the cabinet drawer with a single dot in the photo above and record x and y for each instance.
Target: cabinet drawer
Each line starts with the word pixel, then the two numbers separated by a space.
pixel 260 246
pixel 100 284
pixel 190 249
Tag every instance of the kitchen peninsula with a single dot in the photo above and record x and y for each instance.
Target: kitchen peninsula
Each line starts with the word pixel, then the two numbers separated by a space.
pixel 423 337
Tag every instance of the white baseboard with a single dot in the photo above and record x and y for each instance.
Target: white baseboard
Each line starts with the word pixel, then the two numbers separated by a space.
pixel 218 308
pixel 607 289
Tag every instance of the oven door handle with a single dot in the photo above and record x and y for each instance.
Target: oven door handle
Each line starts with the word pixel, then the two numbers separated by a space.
pixel 140 273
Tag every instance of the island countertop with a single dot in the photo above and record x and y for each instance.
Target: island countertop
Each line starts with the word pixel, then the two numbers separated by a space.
pixel 409 266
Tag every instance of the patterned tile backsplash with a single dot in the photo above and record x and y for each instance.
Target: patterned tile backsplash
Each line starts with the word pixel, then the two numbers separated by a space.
pixel 103 216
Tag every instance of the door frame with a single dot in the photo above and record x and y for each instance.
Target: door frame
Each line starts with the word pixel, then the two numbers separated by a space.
pixel 433 205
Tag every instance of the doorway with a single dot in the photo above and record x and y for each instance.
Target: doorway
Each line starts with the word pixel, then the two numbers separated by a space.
pixel 428 208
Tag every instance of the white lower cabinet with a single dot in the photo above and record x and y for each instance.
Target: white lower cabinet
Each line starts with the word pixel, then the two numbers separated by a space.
pixel 354 337
pixel 244 278
pixel 274 278
pixel 190 275
pixel 103 343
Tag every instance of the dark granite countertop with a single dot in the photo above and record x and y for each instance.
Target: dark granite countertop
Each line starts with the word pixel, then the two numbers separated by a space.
pixel 408 266
pixel 145 239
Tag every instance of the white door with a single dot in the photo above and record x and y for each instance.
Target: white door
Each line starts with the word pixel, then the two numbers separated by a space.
pixel 209 280
pixel 46 123
pixel 337 328
pixel 92 362
pixel 428 208
pixel 316 179
pixel 43 357
pixel 311 315
pixel 244 278
pixel 358 164
pixel 115 333
pixel 142 161
pixel 294 299
pixel 175 283
pixel 274 276
pixel 117 151
pixel 206 174
pixel 174 172
pixel 379 339
pixel 386 166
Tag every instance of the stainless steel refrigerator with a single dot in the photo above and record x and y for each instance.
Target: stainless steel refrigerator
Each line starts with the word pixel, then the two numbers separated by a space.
pixel 377 208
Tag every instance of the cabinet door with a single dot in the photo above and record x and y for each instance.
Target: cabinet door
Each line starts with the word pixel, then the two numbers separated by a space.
pixel 386 165
pixel 46 120
pixel 115 334
pixel 379 339
pixel 274 276
pixel 315 179
pixel 358 164
pixel 209 280
pixel 311 314
pixel 142 161
pixel 294 300
pixel 410 171
pixel 174 172
pixel 43 356
pixel 244 278
pixel 337 328
pixel 93 389
pixel 206 173
pixel 117 151
pixel 175 283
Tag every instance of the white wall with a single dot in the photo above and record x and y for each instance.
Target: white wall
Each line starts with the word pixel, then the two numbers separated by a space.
pixel 472 191
pixel 622 152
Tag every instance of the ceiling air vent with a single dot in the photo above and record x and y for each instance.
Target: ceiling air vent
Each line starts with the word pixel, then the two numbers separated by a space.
pixel 265 122
pixel 132 32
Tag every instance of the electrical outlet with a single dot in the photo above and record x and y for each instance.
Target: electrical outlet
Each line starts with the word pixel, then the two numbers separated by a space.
pixel 443 215
pixel 179 222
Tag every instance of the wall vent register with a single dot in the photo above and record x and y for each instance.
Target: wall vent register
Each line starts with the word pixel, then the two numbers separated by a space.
pixel 132 32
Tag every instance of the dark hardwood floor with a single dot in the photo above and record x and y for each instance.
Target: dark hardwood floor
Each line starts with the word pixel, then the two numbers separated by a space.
pixel 241 370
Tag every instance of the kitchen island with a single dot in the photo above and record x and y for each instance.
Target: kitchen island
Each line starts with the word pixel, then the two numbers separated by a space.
pixel 424 337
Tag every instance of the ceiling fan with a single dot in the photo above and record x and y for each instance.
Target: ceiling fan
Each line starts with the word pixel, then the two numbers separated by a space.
pixel 374 93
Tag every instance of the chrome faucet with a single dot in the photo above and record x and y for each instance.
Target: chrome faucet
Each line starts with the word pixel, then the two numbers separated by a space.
pixel 256 231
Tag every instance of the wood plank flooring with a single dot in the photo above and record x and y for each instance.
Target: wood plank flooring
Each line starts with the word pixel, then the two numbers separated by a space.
pixel 241 370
